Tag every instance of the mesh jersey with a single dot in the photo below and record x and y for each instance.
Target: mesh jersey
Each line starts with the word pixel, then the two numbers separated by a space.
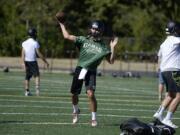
pixel 91 52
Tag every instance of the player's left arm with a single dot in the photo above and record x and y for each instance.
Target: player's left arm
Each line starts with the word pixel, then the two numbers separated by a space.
pixel 41 56
pixel 113 43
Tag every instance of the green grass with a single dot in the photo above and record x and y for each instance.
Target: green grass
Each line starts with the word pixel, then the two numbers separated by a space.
pixel 50 114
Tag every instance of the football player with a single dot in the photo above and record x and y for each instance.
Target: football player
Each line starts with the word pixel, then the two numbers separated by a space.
pixel 170 68
pixel 30 47
pixel 92 50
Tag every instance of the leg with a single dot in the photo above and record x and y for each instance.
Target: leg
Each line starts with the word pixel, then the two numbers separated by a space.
pixel 172 108
pixel 92 100
pixel 76 87
pixel 93 106
pixel 161 89
pixel 76 110
pixel 27 79
pixel 37 83
pixel 175 103
pixel 37 77
pixel 167 100
pixel 90 83
pixel 75 100
pixel 165 103
pixel 174 90
pixel 26 86
pixel 161 86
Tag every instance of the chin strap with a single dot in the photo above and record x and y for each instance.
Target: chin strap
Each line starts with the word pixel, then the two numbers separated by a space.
pixel 97 39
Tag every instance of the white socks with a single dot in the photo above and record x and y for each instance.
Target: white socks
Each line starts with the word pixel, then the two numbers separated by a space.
pixel 161 110
pixel 93 115
pixel 75 110
pixel 168 115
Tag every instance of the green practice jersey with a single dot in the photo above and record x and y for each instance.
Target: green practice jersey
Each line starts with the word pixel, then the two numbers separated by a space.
pixel 91 52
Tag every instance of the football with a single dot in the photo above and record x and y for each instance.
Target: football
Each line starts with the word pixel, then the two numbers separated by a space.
pixel 60 16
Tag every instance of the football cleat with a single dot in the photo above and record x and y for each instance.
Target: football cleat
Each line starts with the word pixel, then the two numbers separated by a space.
pixel 169 123
pixel 157 116
pixel 28 93
pixel 76 116
pixel 94 123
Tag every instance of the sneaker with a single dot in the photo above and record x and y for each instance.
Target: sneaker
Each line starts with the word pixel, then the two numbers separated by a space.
pixel 157 116
pixel 94 123
pixel 28 93
pixel 76 116
pixel 169 123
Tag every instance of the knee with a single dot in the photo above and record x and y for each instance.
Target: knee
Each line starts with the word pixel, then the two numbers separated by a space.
pixel 90 94
pixel 178 96
pixel 171 95
pixel 74 96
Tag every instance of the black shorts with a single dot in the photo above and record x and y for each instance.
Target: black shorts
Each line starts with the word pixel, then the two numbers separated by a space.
pixel 32 69
pixel 90 81
pixel 172 80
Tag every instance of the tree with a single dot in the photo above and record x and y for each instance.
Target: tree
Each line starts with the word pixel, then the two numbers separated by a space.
pixel 139 24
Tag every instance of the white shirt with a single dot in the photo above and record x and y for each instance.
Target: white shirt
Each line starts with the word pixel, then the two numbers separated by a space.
pixel 170 54
pixel 29 47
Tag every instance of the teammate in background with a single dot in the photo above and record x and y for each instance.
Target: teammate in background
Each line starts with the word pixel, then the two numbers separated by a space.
pixel 169 30
pixel 170 68
pixel 92 50
pixel 30 48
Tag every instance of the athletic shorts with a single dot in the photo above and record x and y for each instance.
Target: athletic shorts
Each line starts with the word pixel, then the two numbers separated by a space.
pixel 90 81
pixel 172 80
pixel 32 69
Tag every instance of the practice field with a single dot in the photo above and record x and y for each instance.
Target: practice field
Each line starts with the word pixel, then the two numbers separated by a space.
pixel 51 113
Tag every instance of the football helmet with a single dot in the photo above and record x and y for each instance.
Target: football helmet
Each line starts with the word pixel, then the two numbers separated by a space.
pixel 98 26
pixel 32 32
pixel 170 27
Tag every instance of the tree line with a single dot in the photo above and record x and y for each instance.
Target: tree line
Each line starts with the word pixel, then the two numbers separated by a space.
pixel 140 25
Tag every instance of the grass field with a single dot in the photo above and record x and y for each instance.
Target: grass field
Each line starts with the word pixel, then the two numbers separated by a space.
pixel 50 114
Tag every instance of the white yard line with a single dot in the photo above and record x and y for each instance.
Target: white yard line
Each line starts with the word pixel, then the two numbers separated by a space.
pixel 112 90
pixel 126 93
pixel 82 102
pixel 109 88
pixel 66 114
pixel 99 99
pixel 83 108
pixel 45 123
